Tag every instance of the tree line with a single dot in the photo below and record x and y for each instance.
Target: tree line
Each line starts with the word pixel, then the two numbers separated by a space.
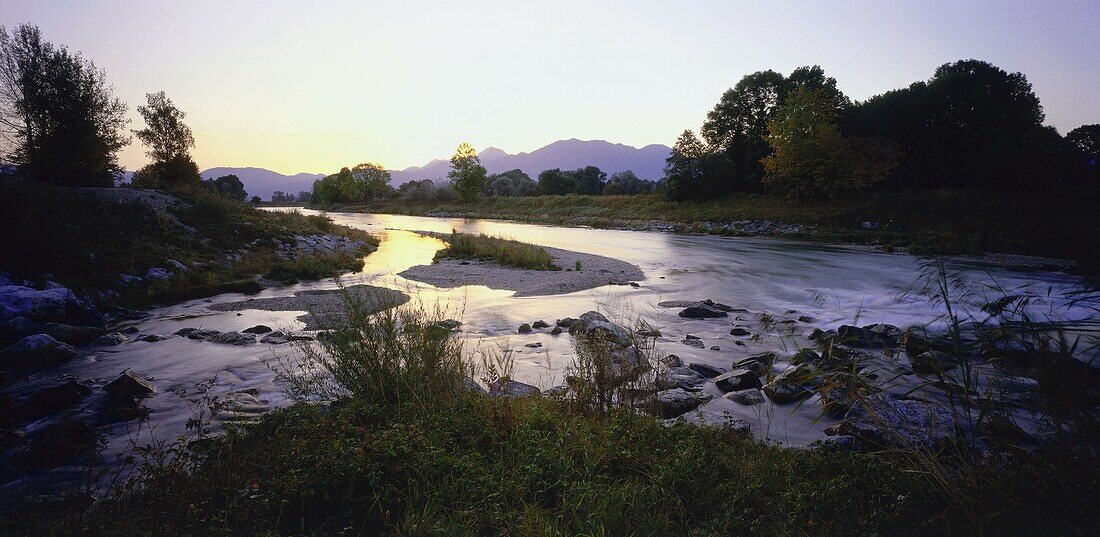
pixel 60 123
pixel 971 125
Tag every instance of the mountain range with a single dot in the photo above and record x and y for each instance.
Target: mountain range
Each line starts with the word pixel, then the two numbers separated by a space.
pixel 647 163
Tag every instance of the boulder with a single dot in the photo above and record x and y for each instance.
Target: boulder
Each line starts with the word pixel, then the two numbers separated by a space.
pixel 566 322
pixel 932 362
pixel 472 385
pixel 681 377
pixel 707 371
pixel 524 328
pixel 697 343
pixel 200 333
pixel 36 305
pixel 759 364
pixel 152 338
pixel 597 328
pixel 535 345
pixel 157 274
pixel 677 402
pixel 114 338
pixel 540 324
pixel 886 421
pixel 749 397
pixel 36 350
pixel 258 329
pixel 556 331
pixel 233 338
pixel 274 338
pixel 447 325
pixel 715 348
pixel 506 387
pixel 805 356
pixel 792 385
pixel 701 312
pixel 736 380
pixel 648 332
pixel 53 399
pixel 73 335
pixel 872 335
pixel 129 385
pixel 740 332
pixel 61 443
pixel 672 361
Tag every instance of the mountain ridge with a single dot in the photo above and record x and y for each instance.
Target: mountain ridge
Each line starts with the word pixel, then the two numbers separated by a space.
pixel 646 162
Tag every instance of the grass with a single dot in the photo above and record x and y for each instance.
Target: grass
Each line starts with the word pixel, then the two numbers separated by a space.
pixel 502 251
pixel 1055 224
pixel 85 243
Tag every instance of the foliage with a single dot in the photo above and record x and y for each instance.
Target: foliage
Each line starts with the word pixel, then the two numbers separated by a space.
pixel 229 186
pixel 510 183
pixel 425 190
pixel 59 121
pixel 167 136
pixel 811 158
pixel 361 183
pixel 556 182
pixel 627 184
pixel 1087 139
pixel 467 175
pixel 505 252
pixel 179 174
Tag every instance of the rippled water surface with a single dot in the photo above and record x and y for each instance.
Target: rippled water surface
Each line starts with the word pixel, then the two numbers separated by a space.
pixel 783 279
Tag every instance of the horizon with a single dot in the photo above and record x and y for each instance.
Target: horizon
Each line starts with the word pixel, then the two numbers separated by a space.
pixel 263 86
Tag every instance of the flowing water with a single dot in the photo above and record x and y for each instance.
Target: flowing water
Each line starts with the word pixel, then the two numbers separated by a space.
pixel 785 280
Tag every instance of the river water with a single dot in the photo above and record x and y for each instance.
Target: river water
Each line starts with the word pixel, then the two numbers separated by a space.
pixel 785 280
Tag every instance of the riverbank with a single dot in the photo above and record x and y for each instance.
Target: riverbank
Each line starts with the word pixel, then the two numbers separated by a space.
pixel 1036 231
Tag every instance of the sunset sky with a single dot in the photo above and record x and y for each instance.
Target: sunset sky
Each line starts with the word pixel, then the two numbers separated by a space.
pixel 312 86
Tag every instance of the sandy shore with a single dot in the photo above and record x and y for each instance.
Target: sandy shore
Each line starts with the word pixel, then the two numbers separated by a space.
pixel 325 308
pixel 596 271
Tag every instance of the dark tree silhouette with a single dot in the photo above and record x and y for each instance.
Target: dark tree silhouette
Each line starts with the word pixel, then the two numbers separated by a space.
pixel 59 121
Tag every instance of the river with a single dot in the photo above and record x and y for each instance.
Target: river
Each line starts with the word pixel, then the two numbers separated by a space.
pixel 784 279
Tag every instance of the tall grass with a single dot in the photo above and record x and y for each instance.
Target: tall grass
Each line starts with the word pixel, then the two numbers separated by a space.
pixel 505 252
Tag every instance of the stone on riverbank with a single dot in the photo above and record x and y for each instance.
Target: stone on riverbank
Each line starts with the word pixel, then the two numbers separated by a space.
pixel 36 350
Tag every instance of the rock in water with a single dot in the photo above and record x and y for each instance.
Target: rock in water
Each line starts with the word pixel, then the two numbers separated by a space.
pixel 233 338
pixel 740 332
pixel 672 361
pixel 53 399
pixel 275 338
pixel 677 402
pixel 539 324
pixel 129 384
pixel 524 328
pixel 746 397
pixel 258 329
pixel 36 350
pixel 791 385
pixel 681 377
pixel 932 362
pixel 707 371
pixel 61 443
pixel 701 312
pixel 889 422
pixel 114 338
pixel 697 343
pixel 738 379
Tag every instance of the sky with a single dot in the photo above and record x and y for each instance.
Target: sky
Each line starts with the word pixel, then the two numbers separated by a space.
pixel 314 86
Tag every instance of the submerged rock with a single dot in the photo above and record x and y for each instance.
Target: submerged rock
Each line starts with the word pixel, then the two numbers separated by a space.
pixel 114 338
pixel 37 350
pixel 739 331
pixel 61 443
pixel 681 377
pixel 932 362
pixel 524 328
pixel 258 329
pixel 275 338
pixel 748 397
pixel 792 385
pixel 701 312
pixel 697 343
pixel 540 324
pixel 233 338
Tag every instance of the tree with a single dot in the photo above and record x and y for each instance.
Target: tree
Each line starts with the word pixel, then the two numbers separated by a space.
pixel 256 200
pixel 510 183
pixel 627 184
pixel 165 132
pixel 231 187
pixel 555 182
pixel 336 188
pixel 1087 139
pixel 369 181
pixel 683 167
pixel 810 156
pixel 589 180
pixel 59 122
pixel 739 122
pixel 170 142
pixel 467 175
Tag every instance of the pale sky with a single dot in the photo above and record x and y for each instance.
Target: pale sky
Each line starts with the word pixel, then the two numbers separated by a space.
pixel 313 86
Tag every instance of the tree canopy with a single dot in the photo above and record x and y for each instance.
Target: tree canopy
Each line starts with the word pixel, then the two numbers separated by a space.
pixel 59 120
pixel 467 175
pixel 170 141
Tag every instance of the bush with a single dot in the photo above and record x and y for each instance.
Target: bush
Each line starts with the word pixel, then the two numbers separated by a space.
pixel 506 252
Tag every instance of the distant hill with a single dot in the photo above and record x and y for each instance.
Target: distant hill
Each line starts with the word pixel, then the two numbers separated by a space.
pixel 647 162
pixel 263 183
